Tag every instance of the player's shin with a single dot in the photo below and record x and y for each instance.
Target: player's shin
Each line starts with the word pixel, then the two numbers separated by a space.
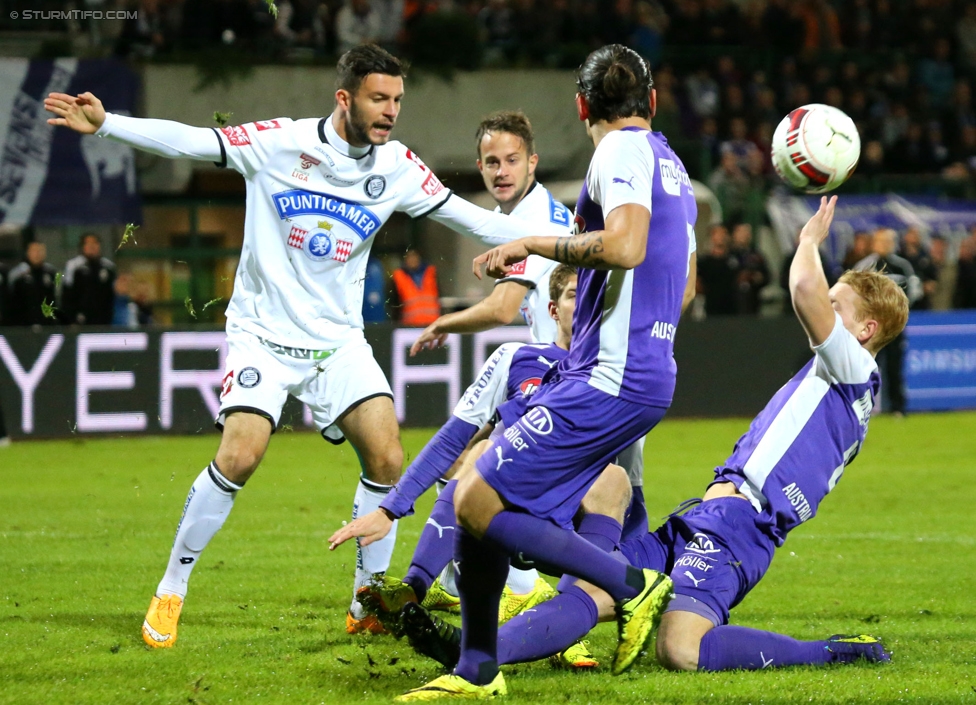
pixel 549 628
pixel 563 551
pixel 436 546
pixel 481 570
pixel 375 558
pixel 728 647
pixel 207 506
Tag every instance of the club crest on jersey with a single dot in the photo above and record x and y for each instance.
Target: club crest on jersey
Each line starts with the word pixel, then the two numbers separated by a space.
pixel 374 186
pixel 297 202
pixel 319 244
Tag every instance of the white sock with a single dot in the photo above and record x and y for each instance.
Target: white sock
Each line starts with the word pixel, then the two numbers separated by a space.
pixel 521 582
pixel 374 558
pixel 447 578
pixel 207 506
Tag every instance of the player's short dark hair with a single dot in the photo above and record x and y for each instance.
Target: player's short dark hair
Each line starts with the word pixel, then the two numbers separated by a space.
pixel 512 121
pixel 559 279
pixel 357 63
pixel 616 83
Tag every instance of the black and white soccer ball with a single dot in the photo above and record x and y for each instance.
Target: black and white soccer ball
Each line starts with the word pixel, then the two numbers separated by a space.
pixel 816 148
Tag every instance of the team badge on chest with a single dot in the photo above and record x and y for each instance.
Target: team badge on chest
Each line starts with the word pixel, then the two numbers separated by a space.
pixel 319 244
pixel 374 186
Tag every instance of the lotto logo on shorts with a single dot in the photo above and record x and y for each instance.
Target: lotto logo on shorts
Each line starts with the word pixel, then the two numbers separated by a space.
pixel 237 136
pixel 343 250
pixel 267 125
pixel 226 384
pixel 296 238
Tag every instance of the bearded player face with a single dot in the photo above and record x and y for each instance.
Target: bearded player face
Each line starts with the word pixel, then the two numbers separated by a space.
pixel 373 109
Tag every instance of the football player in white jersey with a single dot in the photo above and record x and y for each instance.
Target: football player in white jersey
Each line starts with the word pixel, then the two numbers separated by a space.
pixel 318 190
pixel 507 161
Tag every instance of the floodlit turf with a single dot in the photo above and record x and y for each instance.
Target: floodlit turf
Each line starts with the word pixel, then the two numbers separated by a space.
pixel 86 527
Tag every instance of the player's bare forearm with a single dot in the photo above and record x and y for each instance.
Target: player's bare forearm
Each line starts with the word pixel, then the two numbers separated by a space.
pixel 808 283
pixel 622 244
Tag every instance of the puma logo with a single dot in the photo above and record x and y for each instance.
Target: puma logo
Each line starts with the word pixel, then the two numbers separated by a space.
pixel 501 459
pixel 765 662
pixel 440 529
pixel 618 180
pixel 690 577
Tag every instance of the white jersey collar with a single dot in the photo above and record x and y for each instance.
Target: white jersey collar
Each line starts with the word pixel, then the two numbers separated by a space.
pixel 328 134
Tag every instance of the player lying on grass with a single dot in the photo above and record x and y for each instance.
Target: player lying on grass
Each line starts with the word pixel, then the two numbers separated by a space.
pixel 792 456
pixel 318 191
pixel 513 373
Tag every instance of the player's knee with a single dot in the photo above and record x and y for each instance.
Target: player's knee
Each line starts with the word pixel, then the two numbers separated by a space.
pixel 238 461
pixel 677 651
pixel 385 465
pixel 610 494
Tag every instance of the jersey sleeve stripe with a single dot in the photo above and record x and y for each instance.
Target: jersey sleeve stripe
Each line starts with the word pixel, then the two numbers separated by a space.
pixel 223 150
pixel 434 208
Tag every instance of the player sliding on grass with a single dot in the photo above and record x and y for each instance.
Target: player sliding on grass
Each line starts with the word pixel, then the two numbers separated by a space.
pixel 318 190
pixel 513 373
pixel 635 211
pixel 793 454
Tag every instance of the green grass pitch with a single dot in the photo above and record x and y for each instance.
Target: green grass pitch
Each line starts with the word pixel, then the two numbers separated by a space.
pixel 86 527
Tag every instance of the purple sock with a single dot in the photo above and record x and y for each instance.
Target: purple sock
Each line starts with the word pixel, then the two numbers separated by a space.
pixel 600 530
pixel 635 523
pixel 481 571
pixel 436 546
pixel 559 551
pixel 728 648
pixel 547 629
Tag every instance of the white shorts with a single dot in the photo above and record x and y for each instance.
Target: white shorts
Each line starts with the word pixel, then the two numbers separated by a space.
pixel 261 376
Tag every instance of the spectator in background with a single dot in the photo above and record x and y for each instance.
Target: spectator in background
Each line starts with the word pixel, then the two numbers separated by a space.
pixel 753 272
pixel 124 312
pixel 966 38
pixel 88 295
pixel 783 24
pixel 872 159
pixel 497 30
pixel 357 23
pixel 374 292
pixel 936 73
pixel 821 28
pixel 859 249
pixel 647 37
pixel 703 93
pixel 918 256
pixel 717 274
pixel 147 34
pixel 946 285
pixel 415 285
pixel 299 24
pixel 30 284
pixel 884 242
pixel 965 294
pixel 391 13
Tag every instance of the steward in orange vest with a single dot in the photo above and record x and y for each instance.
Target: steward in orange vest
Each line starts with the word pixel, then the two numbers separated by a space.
pixel 416 287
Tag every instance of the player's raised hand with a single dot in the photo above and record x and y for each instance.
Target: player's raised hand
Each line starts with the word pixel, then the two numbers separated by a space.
pixel 82 113
pixel 369 528
pixel 497 261
pixel 430 339
pixel 818 227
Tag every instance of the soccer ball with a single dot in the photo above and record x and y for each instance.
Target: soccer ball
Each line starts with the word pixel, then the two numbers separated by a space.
pixel 816 148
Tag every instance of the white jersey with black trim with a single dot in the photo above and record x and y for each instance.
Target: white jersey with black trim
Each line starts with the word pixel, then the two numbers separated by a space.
pixel 312 213
pixel 538 207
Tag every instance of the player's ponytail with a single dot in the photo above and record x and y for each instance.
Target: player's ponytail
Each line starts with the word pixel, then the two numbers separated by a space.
pixel 616 83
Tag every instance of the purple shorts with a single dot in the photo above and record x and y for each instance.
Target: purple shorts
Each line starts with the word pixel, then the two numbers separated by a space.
pixel 544 463
pixel 715 553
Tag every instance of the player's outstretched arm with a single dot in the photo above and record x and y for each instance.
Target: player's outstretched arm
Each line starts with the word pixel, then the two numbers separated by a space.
pixel 85 114
pixel 491 228
pixel 499 308
pixel 622 244
pixel 808 284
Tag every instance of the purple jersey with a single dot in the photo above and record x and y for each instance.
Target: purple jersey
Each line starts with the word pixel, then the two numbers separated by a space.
pixel 796 450
pixel 623 329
